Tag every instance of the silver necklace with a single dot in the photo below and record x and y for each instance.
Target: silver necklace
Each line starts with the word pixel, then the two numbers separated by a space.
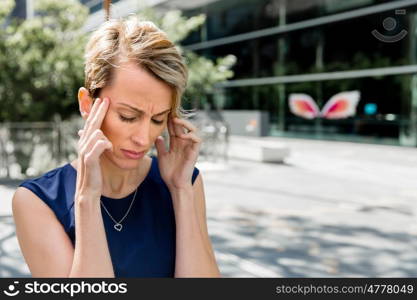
pixel 118 226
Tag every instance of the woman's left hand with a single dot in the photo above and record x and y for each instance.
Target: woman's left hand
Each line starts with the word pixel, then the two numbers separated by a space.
pixel 177 165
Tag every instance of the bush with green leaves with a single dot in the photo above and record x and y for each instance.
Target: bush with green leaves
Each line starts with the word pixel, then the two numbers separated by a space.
pixel 42 62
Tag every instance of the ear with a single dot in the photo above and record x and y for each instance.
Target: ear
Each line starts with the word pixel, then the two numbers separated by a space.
pixel 85 102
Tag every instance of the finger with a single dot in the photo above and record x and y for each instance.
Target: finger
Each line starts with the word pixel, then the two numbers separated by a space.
pixel 93 156
pixel 93 110
pixel 92 161
pixel 88 127
pixel 90 141
pixel 79 175
pixel 171 131
pixel 190 136
pixel 80 132
pixel 85 140
pixel 91 115
pixel 187 124
pixel 178 129
pixel 86 148
pixel 99 115
pixel 160 146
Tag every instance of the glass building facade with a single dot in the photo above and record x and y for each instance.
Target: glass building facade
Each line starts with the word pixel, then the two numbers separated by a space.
pixel 95 5
pixel 314 47
pixel 21 8
pixel 319 48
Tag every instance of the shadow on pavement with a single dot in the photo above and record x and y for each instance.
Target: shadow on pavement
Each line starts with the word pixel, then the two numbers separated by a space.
pixel 294 246
pixel 12 263
pixel 256 243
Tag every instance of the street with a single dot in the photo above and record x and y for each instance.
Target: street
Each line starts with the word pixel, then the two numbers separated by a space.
pixel 333 209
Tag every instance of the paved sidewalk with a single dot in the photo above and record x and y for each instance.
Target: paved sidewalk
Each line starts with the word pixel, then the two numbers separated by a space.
pixel 332 209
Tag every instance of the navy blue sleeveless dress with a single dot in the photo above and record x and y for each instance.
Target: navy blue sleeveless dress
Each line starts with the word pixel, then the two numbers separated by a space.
pixel 145 247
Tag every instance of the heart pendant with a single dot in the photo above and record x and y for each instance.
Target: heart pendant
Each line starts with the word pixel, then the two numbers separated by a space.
pixel 118 227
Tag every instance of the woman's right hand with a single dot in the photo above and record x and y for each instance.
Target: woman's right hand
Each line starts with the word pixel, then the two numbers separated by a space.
pixel 91 145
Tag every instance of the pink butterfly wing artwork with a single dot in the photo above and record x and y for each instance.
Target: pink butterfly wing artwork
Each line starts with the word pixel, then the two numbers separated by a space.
pixel 303 105
pixel 341 105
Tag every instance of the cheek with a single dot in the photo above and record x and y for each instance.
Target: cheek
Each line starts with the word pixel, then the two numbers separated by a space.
pixel 157 131
pixel 110 126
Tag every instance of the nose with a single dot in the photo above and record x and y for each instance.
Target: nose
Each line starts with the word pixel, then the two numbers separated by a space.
pixel 141 136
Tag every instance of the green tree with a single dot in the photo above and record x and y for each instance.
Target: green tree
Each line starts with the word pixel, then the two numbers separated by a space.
pixel 42 61
pixel 5 9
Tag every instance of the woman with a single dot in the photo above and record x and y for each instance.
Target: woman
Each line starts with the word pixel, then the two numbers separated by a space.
pixel 114 211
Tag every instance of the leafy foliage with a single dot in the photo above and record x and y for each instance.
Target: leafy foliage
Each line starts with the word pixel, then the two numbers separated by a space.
pixel 42 62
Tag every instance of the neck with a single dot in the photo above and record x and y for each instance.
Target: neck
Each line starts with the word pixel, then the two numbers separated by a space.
pixel 117 181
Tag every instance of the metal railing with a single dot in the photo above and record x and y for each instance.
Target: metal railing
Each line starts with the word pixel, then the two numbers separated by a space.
pixel 215 133
pixel 31 148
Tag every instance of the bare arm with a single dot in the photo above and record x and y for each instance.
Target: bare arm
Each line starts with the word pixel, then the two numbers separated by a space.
pixel 194 253
pixel 91 255
pixel 46 247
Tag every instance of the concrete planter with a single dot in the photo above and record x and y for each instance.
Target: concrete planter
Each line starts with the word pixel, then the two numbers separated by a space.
pixel 260 150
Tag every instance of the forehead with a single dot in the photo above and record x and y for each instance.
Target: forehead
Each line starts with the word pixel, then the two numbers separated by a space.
pixel 137 87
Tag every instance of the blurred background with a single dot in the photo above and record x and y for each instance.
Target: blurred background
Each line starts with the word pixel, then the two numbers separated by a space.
pixel 307 109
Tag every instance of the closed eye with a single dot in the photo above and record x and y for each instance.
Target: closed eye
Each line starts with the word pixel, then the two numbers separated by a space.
pixel 125 119
pixel 158 122
pixel 129 120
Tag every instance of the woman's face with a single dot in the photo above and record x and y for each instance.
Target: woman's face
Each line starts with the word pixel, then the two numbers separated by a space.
pixel 137 114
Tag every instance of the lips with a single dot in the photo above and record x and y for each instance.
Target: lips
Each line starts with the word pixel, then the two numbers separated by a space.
pixel 133 154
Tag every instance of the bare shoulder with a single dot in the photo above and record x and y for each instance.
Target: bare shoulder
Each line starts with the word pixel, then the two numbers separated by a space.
pixel 41 235
pixel 25 200
pixel 30 212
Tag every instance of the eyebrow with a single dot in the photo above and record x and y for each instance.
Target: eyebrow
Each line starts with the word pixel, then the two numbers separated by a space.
pixel 141 111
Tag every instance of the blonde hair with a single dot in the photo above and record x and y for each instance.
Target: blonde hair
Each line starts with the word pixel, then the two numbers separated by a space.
pixel 142 42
